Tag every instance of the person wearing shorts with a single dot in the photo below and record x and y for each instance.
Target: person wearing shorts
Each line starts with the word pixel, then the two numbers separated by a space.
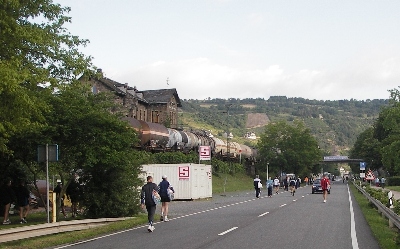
pixel 325 184
pixel 23 195
pixel 164 189
pixel 276 185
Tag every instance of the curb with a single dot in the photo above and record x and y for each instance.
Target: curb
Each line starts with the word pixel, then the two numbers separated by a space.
pixel 25 232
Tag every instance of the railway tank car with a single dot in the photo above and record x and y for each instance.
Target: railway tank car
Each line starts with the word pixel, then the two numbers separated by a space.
pixel 152 136
pixel 156 137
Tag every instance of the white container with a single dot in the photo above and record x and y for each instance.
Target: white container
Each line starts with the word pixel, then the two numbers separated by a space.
pixel 190 181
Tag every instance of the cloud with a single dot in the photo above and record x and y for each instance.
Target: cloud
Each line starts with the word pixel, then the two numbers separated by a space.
pixel 200 78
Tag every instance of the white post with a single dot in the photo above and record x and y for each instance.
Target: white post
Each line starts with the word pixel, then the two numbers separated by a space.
pixel 47 183
pixel 267 171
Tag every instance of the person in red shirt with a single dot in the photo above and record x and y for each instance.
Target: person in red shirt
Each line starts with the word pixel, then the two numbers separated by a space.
pixel 325 184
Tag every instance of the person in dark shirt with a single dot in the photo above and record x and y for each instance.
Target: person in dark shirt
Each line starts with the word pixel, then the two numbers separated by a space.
pixel 59 198
pixel 146 199
pixel 292 184
pixel 23 195
pixel 164 188
pixel 7 197
pixel 74 194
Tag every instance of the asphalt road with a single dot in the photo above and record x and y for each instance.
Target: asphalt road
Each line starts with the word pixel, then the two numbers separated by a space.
pixel 241 221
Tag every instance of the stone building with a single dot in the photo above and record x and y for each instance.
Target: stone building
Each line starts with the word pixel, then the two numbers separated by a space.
pixel 156 106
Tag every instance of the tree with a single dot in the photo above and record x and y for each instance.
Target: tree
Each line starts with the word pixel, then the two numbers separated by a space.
pixel 35 49
pixel 98 147
pixel 288 148
pixel 387 132
pixel 367 147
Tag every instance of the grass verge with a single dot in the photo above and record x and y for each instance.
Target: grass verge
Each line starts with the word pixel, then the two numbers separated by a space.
pixel 385 235
pixel 70 237
pixel 238 182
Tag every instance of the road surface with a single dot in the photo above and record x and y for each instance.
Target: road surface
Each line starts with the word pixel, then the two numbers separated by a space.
pixel 240 220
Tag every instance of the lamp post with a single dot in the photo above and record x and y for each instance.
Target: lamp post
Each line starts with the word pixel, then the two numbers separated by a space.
pixel 228 151
pixel 267 171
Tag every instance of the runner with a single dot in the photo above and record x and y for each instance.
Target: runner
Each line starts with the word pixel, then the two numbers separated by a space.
pixel 292 185
pixel 325 184
pixel 276 185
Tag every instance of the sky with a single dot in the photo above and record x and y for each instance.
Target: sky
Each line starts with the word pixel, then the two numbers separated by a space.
pixel 313 49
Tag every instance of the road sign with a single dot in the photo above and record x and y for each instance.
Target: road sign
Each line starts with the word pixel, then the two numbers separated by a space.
pixel 52 153
pixel 362 165
pixel 369 176
pixel 205 153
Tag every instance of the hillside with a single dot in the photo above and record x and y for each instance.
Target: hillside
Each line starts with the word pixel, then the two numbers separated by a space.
pixel 335 124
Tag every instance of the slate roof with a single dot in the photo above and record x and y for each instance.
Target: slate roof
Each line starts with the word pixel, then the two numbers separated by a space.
pixel 161 96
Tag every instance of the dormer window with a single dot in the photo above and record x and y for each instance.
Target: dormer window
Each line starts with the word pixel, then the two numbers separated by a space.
pixel 94 90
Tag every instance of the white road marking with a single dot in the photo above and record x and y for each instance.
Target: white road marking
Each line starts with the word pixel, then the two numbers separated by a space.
pixel 261 215
pixel 354 241
pixel 227 231
pixel 179 217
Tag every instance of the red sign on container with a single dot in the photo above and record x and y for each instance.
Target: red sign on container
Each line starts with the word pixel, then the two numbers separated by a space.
pixel 184 173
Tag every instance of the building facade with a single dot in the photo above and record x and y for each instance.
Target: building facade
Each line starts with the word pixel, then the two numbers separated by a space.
pixel 156 106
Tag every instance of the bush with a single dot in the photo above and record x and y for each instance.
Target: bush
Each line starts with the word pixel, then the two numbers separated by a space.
pixel 382 196
pixel 393 181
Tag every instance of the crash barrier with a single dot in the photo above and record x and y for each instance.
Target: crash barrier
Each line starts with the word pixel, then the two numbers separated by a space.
pixel 17 233
pixel 394 219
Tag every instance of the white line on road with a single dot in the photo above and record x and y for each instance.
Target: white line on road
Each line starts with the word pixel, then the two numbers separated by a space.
pixel 227 231
pixel 354 241
pixel 261 215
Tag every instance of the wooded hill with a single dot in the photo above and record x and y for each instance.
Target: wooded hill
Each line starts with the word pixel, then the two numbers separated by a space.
pixel 335 124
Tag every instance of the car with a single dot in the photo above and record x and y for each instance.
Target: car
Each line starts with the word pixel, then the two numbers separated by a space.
pixel 316 187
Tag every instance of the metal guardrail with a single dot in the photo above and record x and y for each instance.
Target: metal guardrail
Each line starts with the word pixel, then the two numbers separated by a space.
pixel 394 219
pixel 24 232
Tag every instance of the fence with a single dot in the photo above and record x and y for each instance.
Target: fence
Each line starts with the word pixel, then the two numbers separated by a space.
pixel 394 219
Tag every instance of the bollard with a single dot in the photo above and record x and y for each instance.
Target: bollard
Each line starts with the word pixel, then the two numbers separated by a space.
pixel 54 207
pixel 390 196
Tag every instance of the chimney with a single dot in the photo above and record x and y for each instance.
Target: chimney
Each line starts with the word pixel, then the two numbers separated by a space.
pixel 99 73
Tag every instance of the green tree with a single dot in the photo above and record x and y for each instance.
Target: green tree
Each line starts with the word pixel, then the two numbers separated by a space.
pixel 288 148
pixel 98 146
pixel 35 48
pixel 387 132
pixel 367 147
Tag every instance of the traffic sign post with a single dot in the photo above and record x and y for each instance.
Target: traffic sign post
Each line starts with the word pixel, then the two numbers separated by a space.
pixel 362 169
pixel 204 153
pixel 47 153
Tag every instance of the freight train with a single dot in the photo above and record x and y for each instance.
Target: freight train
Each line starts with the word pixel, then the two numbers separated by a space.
pixel 157 137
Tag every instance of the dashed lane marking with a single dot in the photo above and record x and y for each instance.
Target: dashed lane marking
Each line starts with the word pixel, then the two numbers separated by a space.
pixel 227 231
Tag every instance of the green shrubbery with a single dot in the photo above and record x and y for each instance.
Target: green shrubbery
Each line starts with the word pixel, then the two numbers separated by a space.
pixel 382 196
pixel 393 181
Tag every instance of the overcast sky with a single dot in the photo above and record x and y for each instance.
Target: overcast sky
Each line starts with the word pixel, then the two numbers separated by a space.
pixel 314 49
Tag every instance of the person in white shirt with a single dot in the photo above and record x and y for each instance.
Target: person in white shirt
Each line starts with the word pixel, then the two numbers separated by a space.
pixel 276 184
pixel 256 186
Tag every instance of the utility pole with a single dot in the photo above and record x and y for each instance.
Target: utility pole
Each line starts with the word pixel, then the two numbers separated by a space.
pixel 228 149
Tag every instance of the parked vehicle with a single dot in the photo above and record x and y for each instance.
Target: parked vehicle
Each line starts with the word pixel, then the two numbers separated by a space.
pixel 317 188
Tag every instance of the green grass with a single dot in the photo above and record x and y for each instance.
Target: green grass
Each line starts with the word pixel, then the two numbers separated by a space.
pixel 385 235
pixel 63 238
pixel 394 188
pixel 239 182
